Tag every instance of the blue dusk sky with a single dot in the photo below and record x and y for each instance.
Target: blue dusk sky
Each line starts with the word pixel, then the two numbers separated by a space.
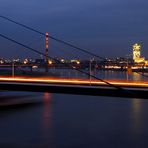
pixel 108 28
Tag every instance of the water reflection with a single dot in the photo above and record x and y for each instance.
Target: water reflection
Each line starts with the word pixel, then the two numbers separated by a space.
pixel 136 76
pixel 47 114
pixel 47 118
pixel 103 74
pixel 136 116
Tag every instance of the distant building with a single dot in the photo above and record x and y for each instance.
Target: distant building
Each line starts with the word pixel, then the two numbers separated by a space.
pixel 137 54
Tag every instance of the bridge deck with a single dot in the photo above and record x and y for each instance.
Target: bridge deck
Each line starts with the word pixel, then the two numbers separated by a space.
pixel 77 86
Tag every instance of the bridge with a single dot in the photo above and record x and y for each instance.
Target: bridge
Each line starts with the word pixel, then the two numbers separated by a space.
pixel 92 86
pixel 76 86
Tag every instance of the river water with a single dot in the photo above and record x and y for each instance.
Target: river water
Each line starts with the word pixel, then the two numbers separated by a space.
pixel 74 121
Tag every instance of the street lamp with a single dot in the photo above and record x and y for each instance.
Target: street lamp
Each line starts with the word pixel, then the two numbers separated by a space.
pixel 90 69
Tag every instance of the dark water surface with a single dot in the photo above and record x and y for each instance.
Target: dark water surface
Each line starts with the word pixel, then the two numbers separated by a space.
pixel 65 121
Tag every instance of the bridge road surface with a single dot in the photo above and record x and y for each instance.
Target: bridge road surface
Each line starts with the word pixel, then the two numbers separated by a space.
pixel 76 86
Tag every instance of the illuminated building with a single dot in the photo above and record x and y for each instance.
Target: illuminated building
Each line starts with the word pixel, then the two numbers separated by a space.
pixel 137 54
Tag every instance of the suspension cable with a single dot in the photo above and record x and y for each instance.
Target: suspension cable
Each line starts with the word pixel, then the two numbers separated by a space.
pixel 52 37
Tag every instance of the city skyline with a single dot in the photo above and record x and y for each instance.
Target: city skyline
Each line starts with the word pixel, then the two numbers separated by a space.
pixel 107 28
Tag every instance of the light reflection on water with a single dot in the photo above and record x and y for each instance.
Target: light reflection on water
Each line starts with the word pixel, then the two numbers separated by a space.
pixel 68 73
pixel 137 76
pixel 47 118
pixel 136 113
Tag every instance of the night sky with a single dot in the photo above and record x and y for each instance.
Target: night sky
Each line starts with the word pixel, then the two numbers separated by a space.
pixel 108 28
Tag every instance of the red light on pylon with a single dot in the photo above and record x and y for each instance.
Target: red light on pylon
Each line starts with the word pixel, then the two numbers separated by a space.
pixel 46 40
pixel 46 33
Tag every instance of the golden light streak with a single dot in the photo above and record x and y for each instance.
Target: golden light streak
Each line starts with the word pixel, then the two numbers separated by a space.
pixel 72 81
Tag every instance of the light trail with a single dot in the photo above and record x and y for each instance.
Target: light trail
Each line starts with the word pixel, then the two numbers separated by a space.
pixel 75 86
pixel 73 82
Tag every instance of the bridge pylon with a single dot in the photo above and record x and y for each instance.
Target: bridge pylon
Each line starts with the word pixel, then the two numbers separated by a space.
pixel 46 52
